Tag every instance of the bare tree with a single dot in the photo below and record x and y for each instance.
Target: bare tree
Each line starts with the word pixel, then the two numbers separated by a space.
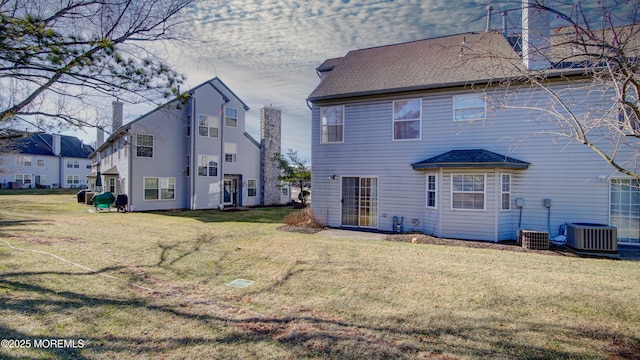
pixel 59 58
pixel 592 48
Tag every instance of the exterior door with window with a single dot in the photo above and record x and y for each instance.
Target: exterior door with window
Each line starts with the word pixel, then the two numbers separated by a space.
pixel 360 202
pixel 230 192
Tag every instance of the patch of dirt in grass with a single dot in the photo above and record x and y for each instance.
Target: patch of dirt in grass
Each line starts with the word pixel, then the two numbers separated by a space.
pixel 507 245
pixel 624 350
pixel 302 229
pixel 41 240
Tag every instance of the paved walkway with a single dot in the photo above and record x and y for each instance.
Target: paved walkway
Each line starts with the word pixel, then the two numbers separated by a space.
pixel 351 234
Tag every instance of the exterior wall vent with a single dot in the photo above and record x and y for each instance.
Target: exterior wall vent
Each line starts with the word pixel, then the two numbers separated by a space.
pixel 534 240
pixel 592 237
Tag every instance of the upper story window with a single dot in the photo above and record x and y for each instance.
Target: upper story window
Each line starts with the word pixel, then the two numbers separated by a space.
pixel 208 125
pixel 207 165
pixel 40 162
pixel 231 117
pixel 469 107
pixel 407 119
pixel 73 164
pixel 332 124
pixel 230 152
pixel 22 160
pixel 144 145
pixel 467 191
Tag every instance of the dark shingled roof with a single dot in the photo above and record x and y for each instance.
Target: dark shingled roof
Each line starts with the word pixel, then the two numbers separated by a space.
pixel 417 65
pixel 41 144
pixel 476 158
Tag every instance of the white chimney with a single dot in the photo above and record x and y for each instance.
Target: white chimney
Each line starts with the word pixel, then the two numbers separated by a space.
pixel 536 45
pixel 56 144
pixel 100 137
pixel 117 115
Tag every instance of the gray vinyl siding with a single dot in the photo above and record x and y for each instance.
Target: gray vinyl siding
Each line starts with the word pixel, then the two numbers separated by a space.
pixel 207 190
pixel 169 158
pixel 565 172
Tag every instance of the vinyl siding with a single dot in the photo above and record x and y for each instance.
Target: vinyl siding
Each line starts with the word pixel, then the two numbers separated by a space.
pixel 565 172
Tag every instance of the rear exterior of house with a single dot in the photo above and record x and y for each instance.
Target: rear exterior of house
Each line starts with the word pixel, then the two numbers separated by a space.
pixel 412 137
pixel 185 155
pixel 46 160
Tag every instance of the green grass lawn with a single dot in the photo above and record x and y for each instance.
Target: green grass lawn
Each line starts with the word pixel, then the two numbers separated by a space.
pixel 153 285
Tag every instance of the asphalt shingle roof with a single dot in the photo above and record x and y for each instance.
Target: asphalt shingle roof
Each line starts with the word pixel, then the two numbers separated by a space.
pixel 41 144
pixel 475 158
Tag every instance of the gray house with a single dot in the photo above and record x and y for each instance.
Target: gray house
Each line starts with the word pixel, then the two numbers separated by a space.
pixel 191 155
pixel 45 160
pixel 423 134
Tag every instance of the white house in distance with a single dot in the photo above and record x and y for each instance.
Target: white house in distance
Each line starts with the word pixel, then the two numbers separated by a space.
pixel 404 134
pixel 194 154
pixel 46 160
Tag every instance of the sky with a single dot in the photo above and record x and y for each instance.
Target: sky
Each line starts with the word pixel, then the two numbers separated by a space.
pixel 266 51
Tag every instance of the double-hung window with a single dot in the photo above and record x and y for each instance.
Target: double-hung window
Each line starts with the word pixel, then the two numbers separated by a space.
pixel 252 187
pixel 467 191
pixel 144 145
pixel 332 124
pixel 159 188
pixel 22 160
pixel 207 165
pixel 407 119
pixel 432 191
pixel 208 125
pixel 469 107
pixel 231 117
pixel 230 152
pixel 506 192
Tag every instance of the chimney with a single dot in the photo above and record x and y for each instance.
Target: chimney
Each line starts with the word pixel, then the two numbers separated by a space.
pixel 504 24
pixel 270 135
pixel 56 144
pixel 536 45
pixel 117 116
pixel 100 137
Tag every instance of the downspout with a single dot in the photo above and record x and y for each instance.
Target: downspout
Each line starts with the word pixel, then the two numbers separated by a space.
pixel 192 155
pixel 130 192
pixel 222 158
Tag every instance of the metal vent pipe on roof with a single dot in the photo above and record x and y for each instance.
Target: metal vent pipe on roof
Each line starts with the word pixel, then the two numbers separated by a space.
pixel 489 13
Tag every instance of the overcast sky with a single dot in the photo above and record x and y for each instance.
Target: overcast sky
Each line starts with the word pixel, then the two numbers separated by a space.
pixel 266 51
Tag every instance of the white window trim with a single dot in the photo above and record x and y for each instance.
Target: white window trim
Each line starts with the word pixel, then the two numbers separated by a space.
pixel 153 153
pixel 159 188
pixel 484 111
pixel 323 125
pixel 209 158
pixel 256 188
pixel 209 127
pixel 227 150
pixel 226 116
pixel 502 192
pixel 393 121
pixel 435 191
pixel 484 202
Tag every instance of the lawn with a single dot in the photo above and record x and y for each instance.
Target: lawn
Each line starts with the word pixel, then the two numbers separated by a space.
pixel 154 285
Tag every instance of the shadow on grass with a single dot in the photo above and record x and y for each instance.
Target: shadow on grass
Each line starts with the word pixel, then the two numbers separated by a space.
pixel 248 215
pixel 304 334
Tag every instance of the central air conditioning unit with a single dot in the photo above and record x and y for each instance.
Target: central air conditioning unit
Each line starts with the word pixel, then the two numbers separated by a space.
pixel 592 237
pixel 534 240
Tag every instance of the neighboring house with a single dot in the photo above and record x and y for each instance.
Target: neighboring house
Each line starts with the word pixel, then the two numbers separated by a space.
pixel 45 160
pixel 190 155
pixel 405 134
